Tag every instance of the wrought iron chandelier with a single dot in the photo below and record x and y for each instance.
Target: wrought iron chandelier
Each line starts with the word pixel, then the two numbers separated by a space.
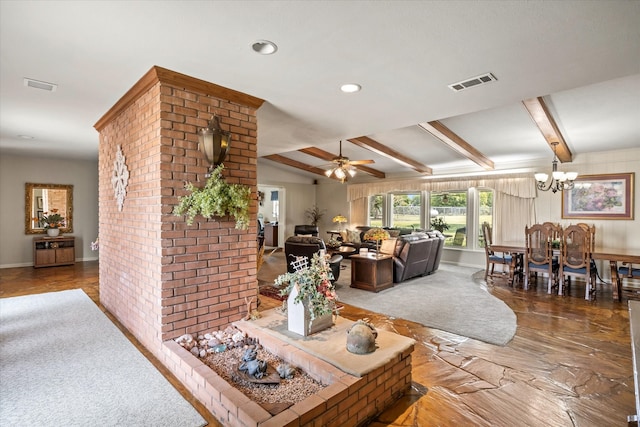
pixel 559 180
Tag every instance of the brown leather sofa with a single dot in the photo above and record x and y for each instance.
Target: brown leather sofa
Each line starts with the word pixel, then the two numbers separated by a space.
pixel 417 254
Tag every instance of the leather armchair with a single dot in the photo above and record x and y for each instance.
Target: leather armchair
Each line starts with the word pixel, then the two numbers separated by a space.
pixel 305 230
pixel 297 246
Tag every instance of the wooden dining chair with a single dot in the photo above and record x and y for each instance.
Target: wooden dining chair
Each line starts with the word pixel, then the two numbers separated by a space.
pixel 576 260
pixel 538 257
pixel 555 230
pixel 506 261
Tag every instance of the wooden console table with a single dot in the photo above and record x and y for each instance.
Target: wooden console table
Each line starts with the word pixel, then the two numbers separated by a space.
pixel 52 251
pixel 371 272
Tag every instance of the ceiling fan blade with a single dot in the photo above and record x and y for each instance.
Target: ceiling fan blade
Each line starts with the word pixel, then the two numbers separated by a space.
pixel 361 162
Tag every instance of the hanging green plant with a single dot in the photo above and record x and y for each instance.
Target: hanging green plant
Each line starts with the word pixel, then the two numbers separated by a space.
pixel 216 198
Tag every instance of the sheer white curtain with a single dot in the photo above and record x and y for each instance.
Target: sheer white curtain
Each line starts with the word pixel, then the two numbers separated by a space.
pixel 512 214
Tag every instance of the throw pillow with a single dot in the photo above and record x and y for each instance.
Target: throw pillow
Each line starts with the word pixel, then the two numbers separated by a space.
pixel 353 236
pixel 344 234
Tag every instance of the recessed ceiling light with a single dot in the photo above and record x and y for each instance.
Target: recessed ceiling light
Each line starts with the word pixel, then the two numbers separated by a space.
pixel 264 47
pixel 350 88
pixel 25 136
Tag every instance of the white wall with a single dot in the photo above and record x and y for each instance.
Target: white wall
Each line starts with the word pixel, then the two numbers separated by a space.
pixel 16 249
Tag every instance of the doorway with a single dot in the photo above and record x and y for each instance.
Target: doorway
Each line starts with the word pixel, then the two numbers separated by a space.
pixel 271 214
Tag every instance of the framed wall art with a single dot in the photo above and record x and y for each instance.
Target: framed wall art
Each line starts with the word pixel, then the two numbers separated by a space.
pixel 605 196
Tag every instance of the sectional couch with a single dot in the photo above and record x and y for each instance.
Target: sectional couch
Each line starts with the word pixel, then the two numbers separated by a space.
pixel 415 253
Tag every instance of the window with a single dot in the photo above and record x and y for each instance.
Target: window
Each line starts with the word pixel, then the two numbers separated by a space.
pixel 376 210
pixel 407 210
pixel 485 213
pixel 450 209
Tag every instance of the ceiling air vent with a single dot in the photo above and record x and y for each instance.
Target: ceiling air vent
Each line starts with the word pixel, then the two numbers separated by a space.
pixel 472 82
pixel 40 85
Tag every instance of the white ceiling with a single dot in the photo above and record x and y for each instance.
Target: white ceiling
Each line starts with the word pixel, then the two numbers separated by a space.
pixel 582 57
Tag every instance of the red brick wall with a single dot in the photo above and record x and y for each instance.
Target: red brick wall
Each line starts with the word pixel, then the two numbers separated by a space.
pixel 158 276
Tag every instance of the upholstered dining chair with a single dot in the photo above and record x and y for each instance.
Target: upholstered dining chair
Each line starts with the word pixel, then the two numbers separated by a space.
pixel 576 260
pixel 506 261
pixel 538 257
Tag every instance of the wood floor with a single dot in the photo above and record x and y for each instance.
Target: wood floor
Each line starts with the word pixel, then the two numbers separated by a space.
pixel 568 365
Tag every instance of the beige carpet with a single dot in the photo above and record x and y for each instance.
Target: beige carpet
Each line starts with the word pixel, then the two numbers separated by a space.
pixel 64 363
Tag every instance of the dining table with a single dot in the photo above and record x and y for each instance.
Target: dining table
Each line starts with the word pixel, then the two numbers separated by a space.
pixel 612 254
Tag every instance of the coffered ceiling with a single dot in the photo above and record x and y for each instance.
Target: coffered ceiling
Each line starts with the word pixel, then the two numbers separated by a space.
pixel 576 62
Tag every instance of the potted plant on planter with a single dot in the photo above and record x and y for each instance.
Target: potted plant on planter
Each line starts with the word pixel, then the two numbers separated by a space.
pixel 216 198
pixel 311 297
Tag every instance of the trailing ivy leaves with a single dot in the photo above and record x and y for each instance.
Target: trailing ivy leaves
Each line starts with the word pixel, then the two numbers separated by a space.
pixel 216 199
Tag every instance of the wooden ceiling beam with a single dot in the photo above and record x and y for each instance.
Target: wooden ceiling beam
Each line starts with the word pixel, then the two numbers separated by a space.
pixel 453 141
pixel 325 155
pixel 296 164
pixel 541 116
pixel 373 145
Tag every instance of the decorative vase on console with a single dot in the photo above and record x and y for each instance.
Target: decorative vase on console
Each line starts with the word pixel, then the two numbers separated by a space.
pixel 53 221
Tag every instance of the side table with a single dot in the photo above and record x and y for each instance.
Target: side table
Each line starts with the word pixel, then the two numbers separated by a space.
pixel 371 272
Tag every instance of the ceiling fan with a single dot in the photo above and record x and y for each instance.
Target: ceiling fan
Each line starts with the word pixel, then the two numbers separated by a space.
pixel 343 168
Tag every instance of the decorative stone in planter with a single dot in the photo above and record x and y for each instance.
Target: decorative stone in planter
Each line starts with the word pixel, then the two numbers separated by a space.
pixel 299 318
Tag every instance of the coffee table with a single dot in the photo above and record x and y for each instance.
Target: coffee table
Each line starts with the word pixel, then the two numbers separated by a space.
pixel 345 251
pixel 371 272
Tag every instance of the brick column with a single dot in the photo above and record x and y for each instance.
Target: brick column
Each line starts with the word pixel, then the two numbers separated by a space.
pixel 159 277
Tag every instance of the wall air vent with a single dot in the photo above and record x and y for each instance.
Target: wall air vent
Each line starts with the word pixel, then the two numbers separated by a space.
pixel 472 82
pixel 36 84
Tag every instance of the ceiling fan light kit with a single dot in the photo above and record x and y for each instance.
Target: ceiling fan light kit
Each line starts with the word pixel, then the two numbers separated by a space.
pixel 344 169
pixel 559 180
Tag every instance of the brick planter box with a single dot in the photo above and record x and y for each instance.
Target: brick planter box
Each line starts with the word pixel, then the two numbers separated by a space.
pixel 346 401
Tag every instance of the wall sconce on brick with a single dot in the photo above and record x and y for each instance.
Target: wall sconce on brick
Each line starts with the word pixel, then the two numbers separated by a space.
pixel 214 142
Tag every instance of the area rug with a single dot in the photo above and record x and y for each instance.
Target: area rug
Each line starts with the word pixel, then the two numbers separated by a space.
pixel 271 292
pixel 451 301
pixel 64 363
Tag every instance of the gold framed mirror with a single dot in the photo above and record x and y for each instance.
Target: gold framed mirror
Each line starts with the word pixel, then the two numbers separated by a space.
pixel 40 199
